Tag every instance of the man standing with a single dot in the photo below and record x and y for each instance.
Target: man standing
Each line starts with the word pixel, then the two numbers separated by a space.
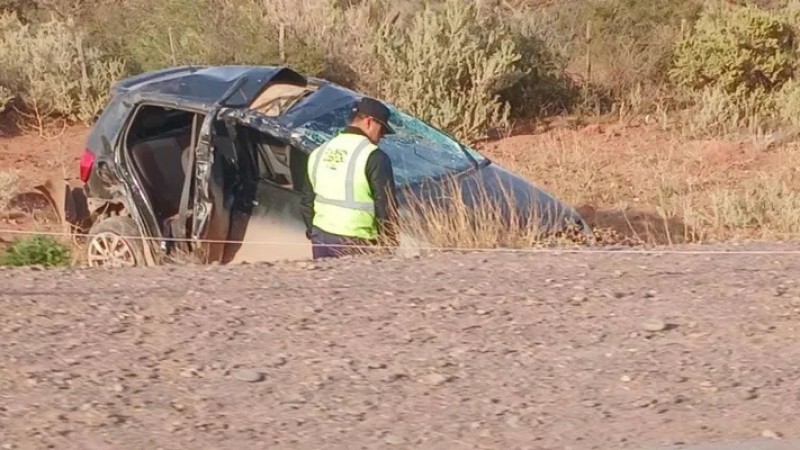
pixel 349 193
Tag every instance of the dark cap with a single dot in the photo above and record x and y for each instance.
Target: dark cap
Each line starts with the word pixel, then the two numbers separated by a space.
pixel 375 109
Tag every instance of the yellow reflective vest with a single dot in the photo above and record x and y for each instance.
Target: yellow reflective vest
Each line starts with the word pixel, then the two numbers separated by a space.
pixel 343 202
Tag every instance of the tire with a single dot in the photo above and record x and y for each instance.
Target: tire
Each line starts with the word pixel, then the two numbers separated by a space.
pixel 110 243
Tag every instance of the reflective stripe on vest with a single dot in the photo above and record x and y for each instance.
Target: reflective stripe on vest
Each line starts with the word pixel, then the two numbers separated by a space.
pixel 343 202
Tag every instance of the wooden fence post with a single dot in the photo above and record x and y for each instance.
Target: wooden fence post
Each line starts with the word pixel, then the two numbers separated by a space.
pixel 588 51
pixel 172 46
pixel 282 42
pixel 82 62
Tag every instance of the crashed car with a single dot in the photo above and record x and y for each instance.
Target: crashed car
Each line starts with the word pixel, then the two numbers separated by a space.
pixel 205 160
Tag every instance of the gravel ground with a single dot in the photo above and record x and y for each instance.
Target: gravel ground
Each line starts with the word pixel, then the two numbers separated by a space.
pixel 538 351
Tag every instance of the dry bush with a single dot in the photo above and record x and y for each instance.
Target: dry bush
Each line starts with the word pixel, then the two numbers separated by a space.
pixel 765 204
pixel 544 89
pixel 789 100
pixel 617 46
pixel 719 113
pixel 42 10
pixel 343 33
pixel 5 98
pixel 8 185
pixel 51 72
pixel 156 34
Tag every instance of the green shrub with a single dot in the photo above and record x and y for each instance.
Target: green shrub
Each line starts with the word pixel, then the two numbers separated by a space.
pixel 153 35
pixel 38 250
pixel 51 73
pixel 449 67
pixel 739 50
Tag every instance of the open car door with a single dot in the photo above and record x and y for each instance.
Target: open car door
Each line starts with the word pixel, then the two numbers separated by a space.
pixel 215 194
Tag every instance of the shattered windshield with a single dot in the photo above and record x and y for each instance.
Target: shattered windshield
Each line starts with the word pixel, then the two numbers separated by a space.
pixel 418 151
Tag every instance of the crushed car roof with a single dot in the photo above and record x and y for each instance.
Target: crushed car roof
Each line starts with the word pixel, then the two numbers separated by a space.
pixel 206 84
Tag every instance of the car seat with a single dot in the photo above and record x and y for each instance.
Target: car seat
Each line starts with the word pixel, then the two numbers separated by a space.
pixel 160 163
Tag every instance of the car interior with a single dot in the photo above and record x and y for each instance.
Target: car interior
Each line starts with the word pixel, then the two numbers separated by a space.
pixel 158 142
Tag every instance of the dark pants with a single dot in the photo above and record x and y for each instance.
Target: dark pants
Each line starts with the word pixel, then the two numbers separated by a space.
pixel 328 245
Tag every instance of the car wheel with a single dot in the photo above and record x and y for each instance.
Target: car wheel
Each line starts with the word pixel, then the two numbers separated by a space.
pixel 112 243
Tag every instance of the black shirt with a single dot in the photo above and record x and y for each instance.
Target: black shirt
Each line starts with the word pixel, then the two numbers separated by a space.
pixel 381 181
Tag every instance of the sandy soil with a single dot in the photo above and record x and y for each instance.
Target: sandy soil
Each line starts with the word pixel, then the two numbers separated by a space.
pixel 544 351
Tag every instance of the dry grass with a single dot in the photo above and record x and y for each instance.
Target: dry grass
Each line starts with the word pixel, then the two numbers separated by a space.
pixel 661 188
pixel 475 218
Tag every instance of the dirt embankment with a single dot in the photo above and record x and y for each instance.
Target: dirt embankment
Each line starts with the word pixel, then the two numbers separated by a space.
pixel 607 351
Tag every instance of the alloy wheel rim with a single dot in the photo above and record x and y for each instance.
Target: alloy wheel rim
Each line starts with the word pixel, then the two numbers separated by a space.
pixel 110 250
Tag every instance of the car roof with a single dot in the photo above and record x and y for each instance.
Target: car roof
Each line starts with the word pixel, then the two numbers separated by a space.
pixel 204 85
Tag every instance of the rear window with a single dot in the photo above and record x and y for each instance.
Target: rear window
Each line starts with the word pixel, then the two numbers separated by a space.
pixel 108 124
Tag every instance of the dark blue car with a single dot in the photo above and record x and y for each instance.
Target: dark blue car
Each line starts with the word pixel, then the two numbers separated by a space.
pixel 196 159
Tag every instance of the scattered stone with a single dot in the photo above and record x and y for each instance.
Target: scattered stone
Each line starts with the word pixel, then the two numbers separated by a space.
pixel 248 375
pixel 433 379
pixel 675 378
pixel 481 312
pixel 278 361
pixel 177 406
pixel 650 294
pixel 395 376
pixel 750 394
pixel 306 266
pixel 625 379
pixel 770 434
pixel 118 388
pixel 188 373
pixel 579 299
pixel 393 439
pixel 512 421
pixel 654 325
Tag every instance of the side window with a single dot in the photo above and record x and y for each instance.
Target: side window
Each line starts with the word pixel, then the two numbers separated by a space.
pixel 158 122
